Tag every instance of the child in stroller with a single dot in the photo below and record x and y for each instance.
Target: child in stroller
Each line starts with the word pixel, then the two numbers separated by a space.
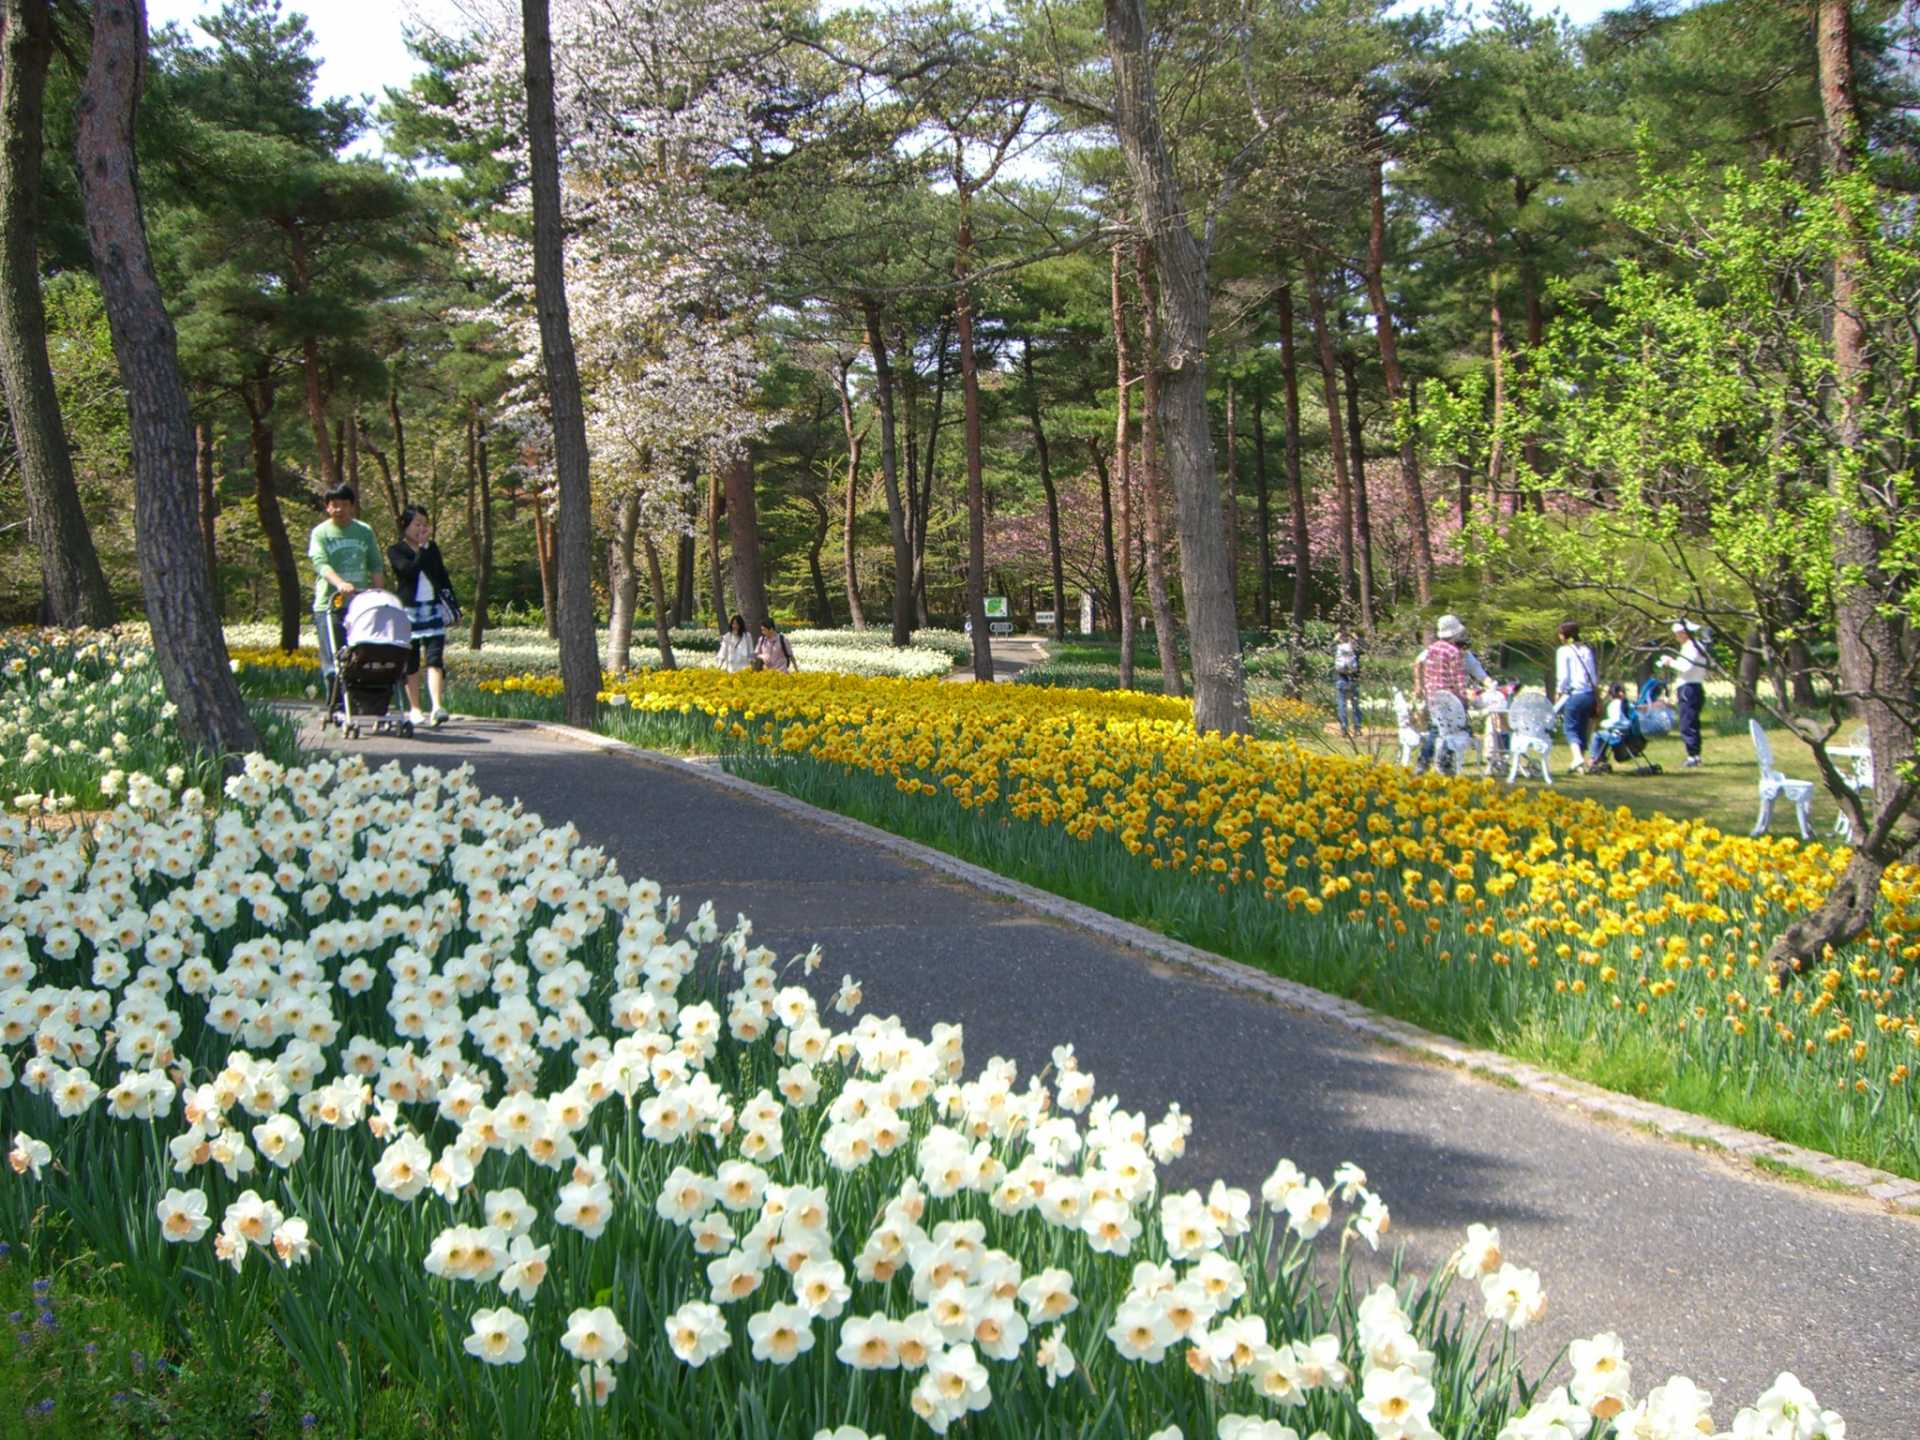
pixel 1619 737
pixel 373 644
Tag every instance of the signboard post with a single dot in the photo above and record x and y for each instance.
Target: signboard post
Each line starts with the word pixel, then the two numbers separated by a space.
pixel 996 607
pixel 1043 619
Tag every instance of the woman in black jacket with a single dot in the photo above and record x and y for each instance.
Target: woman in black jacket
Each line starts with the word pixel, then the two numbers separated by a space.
pixel 420 580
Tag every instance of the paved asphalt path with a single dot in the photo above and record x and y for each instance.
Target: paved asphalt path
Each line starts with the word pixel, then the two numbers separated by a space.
pixel 1703 1268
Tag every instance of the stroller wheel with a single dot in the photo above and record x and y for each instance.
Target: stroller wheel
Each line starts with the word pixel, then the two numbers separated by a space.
pixel 406 729
pixel 1652 769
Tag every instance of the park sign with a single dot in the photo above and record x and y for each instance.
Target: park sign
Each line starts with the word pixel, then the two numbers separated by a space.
pixel 1042 618
pixel 996 606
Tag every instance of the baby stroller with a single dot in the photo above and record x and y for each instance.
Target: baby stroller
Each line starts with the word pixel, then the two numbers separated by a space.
pixel 1625 743
pixel 1654 709
pixel 373 645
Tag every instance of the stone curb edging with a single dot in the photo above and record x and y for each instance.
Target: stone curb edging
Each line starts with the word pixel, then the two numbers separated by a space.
pixel 1897 1192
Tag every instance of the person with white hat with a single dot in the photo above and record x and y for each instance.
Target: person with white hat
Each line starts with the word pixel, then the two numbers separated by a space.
pixel 1690 667
pixel 1445 666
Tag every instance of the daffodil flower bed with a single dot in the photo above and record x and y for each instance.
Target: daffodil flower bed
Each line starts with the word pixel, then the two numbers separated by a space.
pixel 1626 949
pixel 428 1088
pixel 516 652
pixel 80 711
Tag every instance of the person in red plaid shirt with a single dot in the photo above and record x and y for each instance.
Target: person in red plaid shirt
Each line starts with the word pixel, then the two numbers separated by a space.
pixel 1444 666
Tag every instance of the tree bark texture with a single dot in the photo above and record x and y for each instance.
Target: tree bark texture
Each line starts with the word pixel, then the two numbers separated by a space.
pixel 743 537
pixel 899 515
pixel 483 562
pixel 1042 454
pixel 1166 637
pixel 721 619
pixel 399 440
pixel 187 641
pixel 1230 497
pixel 683 587
pixel 1219 670
pixel 579 665
pixel 657 583
pixel 1123 465
pixel 1396 387
pixel 1264 512
pixel 1497 450
pixel 1107 547
pixel 1875 670
pixel 856 441
pixel 76 588
pixel 623 582
pixel 970 411
pixel 1296 488
pixel 1336 441
pixel 1362 515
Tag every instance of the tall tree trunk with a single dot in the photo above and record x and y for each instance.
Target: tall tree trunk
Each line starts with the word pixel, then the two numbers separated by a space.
pixel 856 441
pixel 1219 670
pixel 483 562
pixel 209 506
pixel 743 537
pixel 923 507
pixel 187 642
pixel 579 665
pixel 721 619
pixel 1230 500
pixel 1336 441
pixel 1053 498
pixel 326 459
pixel 543 552
pixel 1264 511
pixel 399 438
pixel 1107 547
pixel 1876 671
pixel 1362 515
pixel 1497 451
pixel 257 395
pixel 1746 674
pixel 1166 638
pixel 76 587
pixel 1296 489
pixel 822 601
pixel 976 488
pixel 1123 463
pixel 899 512
pixel 623 582
pixel 683 587
pixel 1396 387
pixel 657 583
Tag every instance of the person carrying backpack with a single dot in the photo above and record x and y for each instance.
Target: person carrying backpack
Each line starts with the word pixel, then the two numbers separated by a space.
pixel 773 652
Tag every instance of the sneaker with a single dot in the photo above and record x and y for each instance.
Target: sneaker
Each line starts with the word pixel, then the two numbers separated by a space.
pixel 440 715
pixel 414 717
pixel 1693 762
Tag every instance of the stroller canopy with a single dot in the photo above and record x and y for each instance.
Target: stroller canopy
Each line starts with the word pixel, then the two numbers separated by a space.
pixel 375 617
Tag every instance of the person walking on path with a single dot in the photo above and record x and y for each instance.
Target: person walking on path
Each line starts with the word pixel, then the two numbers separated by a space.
pixel 773 652
pixel 736 646
pixel 1346 683
pixel 1576 687
pixel 345 556
pixel 421 581
pixel 1690 667
pixel 1444 667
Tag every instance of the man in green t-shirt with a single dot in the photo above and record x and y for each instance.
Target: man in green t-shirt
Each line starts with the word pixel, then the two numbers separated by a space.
pixel 346 558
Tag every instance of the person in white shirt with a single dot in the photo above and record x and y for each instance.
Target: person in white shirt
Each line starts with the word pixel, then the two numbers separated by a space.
pixel 1576 685
pixel 736 646
pixel 1690 667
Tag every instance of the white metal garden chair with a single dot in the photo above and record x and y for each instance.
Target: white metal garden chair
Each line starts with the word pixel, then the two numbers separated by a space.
pixel 1410 738
pixel 1453 740
pixel 1773 785
pixel 1530 736
pixel 1859 778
